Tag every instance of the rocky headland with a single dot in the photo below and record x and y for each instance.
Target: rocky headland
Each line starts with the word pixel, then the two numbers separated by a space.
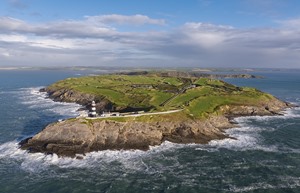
pixel 82 135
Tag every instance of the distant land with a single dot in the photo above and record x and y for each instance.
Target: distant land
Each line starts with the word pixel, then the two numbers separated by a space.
pixel 112 69
pixel 178 106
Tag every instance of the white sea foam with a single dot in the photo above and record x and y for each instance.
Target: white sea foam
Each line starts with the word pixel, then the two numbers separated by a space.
pixel 287 182
pixel 248 137
pixel 287 114
pixel 36 162
pixel 243 141
pixel 38 100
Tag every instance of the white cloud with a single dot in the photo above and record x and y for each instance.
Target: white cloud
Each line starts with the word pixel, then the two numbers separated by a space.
pixel 8 24
pixel 13 38
pixel 94 41
pixel 6 54
pixel 205 34
pixel 290 23
pixel 90 26
pixel 68 28
pixel 124 19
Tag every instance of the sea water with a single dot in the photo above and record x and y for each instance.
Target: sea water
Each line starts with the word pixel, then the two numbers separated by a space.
pixel 265 157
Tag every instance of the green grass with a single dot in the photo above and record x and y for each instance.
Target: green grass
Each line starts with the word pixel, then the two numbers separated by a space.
pixel 173 81
pixel 159 97
pixel 185 98
pixel 152 90
pixel 208 81
pixel 204 106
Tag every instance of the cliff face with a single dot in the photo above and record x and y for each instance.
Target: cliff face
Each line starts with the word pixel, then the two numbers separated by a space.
pixel 271 107
pixel 207 105
pixel 69 95
pixel 79 136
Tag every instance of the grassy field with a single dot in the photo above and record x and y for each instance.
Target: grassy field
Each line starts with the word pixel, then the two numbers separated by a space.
pixel 198 97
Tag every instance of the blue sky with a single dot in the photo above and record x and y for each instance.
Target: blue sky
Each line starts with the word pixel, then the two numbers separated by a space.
pixel 198 33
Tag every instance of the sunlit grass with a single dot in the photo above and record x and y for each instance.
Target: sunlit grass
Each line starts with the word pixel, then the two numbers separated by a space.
pixel 151 91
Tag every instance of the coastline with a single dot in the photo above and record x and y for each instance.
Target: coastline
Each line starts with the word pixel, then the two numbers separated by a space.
pixel 262 144
pixel 82 135
pixel 73 137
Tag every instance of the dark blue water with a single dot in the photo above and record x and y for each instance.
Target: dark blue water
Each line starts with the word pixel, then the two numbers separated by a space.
pixel 264 158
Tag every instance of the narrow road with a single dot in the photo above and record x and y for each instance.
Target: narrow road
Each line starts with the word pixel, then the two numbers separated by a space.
pixel 178 93
pixel 138 115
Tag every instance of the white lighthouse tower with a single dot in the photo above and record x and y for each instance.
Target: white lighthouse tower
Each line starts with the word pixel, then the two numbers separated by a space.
pixel 93 110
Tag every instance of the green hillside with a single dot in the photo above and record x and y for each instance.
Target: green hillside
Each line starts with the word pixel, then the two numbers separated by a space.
pixel 198 97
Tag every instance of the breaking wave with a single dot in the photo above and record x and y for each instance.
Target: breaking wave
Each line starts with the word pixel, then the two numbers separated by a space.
pixel 286 182
pixel 35 99
pixel 37 162
pixel 247 136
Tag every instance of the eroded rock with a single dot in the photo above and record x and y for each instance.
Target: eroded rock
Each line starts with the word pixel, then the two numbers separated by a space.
pixel 79 136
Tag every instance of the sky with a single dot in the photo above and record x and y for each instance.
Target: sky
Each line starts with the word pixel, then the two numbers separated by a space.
pixel 150 33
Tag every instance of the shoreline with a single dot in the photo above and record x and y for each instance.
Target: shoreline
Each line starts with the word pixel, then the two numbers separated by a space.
pixel 188 125
pixel 113 135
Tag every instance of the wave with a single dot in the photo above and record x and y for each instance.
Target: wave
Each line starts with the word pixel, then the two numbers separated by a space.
pixel 286 182
pixel 35 99
pixel 38 162
pixel 248 134
pixel 287 114
pixel 248 137
pixel 128 159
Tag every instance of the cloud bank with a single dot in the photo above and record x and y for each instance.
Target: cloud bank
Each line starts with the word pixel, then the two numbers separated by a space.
pixel 101 41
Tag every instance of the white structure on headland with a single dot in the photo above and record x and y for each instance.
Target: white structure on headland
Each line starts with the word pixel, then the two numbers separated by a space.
pixel 92 112
pixel 110 114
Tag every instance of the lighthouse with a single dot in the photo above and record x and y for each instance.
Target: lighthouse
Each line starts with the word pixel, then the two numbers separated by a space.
pixel 92 112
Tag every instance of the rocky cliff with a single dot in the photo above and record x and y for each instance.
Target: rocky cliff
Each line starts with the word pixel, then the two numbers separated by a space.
pixel 79 136
pixel 84 99
pixel 205 107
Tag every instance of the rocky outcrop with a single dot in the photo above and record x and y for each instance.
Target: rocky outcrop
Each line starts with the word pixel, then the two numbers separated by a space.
pixel 68 95
pixel 82 135
pixel 271 107
pixel 84 99
pixel 79 136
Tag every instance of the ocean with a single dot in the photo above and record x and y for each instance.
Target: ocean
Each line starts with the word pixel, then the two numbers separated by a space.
pixel 265 157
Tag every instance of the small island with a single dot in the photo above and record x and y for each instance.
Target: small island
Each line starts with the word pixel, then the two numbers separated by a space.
pixel 138 110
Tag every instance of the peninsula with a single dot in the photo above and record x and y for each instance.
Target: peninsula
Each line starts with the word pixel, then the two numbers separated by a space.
pixel 148 109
